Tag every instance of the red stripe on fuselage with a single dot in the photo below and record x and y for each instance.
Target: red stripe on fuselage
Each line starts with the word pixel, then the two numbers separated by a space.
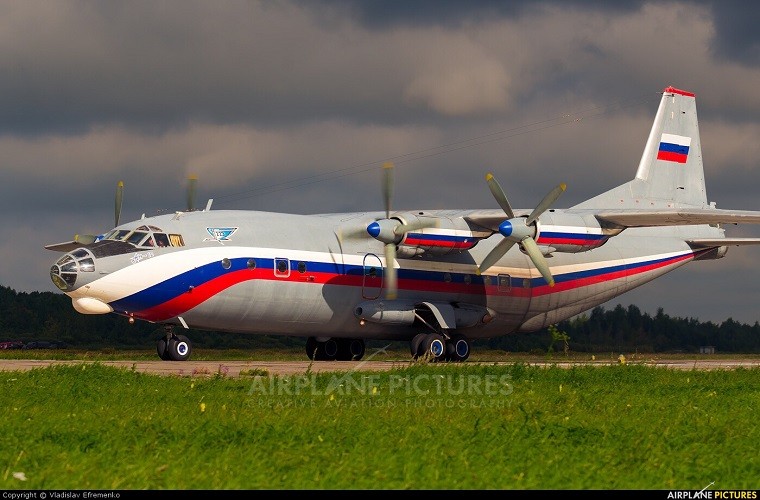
pixel 201 293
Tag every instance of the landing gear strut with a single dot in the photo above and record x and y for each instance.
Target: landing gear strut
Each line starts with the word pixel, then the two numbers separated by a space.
pixel 172 347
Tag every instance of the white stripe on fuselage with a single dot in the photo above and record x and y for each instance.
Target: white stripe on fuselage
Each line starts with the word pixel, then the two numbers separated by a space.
pixel 152 271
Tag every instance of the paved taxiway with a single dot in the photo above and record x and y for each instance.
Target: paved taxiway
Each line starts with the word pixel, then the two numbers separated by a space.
pixel 235 368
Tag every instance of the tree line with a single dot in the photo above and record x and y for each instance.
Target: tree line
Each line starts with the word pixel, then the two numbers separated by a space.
pixel 49 316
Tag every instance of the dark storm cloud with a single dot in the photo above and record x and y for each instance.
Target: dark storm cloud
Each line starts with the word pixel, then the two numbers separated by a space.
pixel 380 14
pixel 736 28
pixel 737 37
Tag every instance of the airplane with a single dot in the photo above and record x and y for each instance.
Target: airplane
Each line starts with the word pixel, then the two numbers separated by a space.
pixel 439 279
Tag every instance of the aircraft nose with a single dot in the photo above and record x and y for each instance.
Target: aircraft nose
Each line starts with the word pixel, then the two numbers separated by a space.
pixel 68 268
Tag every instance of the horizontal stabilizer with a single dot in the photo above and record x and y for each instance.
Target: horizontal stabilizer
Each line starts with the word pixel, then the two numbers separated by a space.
pixel 676 217
pixel 722 242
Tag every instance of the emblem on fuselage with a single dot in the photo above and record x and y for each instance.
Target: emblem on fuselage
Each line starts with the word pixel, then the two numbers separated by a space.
pixel 220 233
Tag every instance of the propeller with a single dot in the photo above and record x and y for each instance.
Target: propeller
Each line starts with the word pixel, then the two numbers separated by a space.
pixel 117 202
pixel 388 231
pixel 391 232
pixel 192 182
pixel 520 230
pixel 86 239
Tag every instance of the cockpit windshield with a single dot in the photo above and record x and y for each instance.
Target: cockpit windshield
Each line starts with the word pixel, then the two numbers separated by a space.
pixel 146 237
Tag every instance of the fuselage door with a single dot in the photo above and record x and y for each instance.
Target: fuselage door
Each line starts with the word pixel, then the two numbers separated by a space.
pixel 372 277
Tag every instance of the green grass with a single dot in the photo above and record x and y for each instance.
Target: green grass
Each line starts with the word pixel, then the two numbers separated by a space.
pixel 425 426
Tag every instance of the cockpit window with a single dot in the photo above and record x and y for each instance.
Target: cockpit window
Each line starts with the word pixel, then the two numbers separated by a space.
pixel 79 253
pixel 136 237
pixel 161 239
pixel 119 235
pixel 146 236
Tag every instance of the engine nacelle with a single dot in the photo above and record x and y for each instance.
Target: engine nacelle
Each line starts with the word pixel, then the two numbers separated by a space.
pixel 571 233
pixel 448 236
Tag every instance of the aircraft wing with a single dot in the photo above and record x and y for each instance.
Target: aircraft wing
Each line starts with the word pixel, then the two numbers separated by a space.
pixel 66 246
pixel 676 217
pixel 722 242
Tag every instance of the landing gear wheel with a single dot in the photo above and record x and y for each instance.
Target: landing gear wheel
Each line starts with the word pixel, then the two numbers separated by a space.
pixel 311 347
pixel 457 348
pixel 179 348
pixel 328 350
pixel 434 347
pixel 162 350
pixel 415 345
pixel 350 349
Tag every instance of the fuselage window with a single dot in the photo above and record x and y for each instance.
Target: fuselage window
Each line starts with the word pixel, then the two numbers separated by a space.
pixel 226 263
pixel 447 277
pixel 302 267
pixel 281 267
pixel 251 264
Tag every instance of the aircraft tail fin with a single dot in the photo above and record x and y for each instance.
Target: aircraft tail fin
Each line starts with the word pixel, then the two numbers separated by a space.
pixel 670 173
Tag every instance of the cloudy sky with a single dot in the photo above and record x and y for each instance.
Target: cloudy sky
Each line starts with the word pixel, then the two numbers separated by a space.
pixel 294 105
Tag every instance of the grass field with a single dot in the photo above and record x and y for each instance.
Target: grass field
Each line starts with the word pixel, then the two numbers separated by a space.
pixel 422 427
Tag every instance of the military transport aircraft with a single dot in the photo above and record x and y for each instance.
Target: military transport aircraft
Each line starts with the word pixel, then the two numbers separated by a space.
pixel 437 278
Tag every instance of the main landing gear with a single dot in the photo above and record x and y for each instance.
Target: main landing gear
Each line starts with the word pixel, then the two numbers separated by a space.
pixel 436 347
pixel 172 347
pixel 333 349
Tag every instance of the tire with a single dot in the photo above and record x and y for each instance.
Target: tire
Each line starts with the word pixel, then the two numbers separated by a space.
pixel 311 347
pixel 179 348
pixel 434 347
pixel 458 348
pixel 326 351
pixel 350 349
pixel 415 345
pixel 330 349
pixel 163 353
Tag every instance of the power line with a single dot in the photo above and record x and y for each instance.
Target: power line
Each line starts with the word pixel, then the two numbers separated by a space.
pixel 502 135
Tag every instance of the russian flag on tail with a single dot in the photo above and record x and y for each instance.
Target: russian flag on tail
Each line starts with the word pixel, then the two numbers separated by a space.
pixel 674 148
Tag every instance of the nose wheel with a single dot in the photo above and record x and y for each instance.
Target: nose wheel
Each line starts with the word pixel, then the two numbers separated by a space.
pixel 174 347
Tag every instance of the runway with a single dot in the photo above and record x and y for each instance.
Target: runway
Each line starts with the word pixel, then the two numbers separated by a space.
pixel 250 368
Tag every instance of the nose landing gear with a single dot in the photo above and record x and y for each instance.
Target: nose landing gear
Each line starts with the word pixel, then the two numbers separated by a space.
pixel 173 347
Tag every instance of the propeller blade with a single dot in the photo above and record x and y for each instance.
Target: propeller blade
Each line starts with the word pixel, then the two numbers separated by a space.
pixel 529 244
pixel 117 203
pixel 391 278
pixel 497 253
pixel 498 193
pixel 545 203
pixel 351 233
pixel 84 239
pixel 387 187
pixel 192 182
